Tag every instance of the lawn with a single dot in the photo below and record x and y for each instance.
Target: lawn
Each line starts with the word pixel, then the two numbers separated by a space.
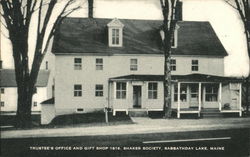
pixel 94 118
pixel 72 120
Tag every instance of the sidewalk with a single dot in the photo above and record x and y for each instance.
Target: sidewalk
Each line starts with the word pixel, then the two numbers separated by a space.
pixel 142 125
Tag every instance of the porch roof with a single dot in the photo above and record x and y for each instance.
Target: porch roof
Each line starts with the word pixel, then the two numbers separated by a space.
pixel 178 78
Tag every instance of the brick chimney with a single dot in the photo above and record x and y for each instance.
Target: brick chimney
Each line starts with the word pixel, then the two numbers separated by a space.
pixel 91 8
pixel 178 11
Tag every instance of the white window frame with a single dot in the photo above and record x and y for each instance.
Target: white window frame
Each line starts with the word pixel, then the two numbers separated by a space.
pixel 176 92
pixel 34 104
pixel 115 36
pixel 173 65
pixel 99 65
pixel 100 91
pixel 213 92
pixel 121 90
pixel 77 65
pixel 194 65
pixel 153 91
pixel 77 92
pixel 133 66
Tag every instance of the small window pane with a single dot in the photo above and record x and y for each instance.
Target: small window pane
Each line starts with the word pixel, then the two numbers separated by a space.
pixel 77 63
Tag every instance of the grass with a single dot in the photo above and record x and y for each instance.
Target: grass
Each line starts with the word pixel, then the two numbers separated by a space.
pixel 94 118
pixel 72 120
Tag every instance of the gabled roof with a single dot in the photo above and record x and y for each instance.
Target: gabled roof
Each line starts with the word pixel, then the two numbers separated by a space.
pixel 84 35
pixel 8 78
pixel 182 78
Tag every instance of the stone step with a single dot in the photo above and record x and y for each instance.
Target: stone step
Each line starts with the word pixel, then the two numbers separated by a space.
pixel 138 113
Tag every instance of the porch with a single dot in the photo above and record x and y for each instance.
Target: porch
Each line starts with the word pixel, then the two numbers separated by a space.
pixel 191 94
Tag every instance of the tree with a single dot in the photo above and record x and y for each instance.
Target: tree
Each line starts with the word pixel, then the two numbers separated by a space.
pixel 169 24
pixel 243 8
pixel 17 15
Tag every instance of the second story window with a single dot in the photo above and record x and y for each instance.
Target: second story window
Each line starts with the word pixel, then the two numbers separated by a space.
pixel 2 91
pixel 121 90
pixel 1 64
pixel 195 65
pixel 77 90
pixel 35 104
pixel 173 65
pixel 99 64
pixel 133 64
pixel 77 63
pixel 2 103
pixel 152 90
pixel 99 90
pixel 115 36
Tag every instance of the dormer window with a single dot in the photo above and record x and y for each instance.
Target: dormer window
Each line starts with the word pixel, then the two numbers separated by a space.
pixel 115 36
pixel 115 32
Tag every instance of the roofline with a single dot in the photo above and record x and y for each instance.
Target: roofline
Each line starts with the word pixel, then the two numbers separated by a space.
pixel 145 54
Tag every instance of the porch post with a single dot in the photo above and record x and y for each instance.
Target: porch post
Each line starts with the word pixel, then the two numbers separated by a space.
pixel 178 96
pixel 240 101
pixel 220 95
pixel 114 111
pixel 199 99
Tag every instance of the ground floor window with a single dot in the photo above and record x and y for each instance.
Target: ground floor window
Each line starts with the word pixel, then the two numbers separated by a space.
pixel 183 93
pixel 121 90
pixel 211 92
pixel 152 90
pixel 99 90
pixel 194 91
pixel 77 90
pixel 2 104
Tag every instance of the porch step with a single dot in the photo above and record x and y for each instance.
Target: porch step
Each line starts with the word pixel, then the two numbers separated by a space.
pixel 211 113
pixel 137 112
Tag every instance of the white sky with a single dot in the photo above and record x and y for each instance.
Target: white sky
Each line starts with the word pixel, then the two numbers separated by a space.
pixel 223 18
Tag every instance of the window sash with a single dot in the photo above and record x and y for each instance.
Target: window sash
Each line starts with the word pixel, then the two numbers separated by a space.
pixel 195 65
pixel 121 90
pixel 77 63
pixel 77 90
pixel 115 36
pixel 99 90
pixel 152 90
pixel 99 64
pixel 133 64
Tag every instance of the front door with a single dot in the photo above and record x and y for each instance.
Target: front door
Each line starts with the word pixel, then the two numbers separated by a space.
pixel 137 96
pixel 194 95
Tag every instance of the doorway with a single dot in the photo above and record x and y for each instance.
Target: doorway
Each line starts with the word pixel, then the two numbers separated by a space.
pixel 136 96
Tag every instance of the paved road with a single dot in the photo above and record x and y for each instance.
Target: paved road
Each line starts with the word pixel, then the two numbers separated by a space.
pixel 231 142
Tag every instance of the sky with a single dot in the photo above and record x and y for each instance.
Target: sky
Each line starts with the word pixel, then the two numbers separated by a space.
pixel 223 18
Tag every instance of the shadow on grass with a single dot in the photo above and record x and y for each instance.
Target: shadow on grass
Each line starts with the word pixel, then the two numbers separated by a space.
pixel 72 120
pixel 91 119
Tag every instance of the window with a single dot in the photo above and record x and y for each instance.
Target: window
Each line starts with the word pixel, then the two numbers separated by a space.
pixel 183 93
pixel 173 40
pixel 78 64
pixel 212 92
pixel 115 36
pixel 195 65
pixel 152 90
pixel 77 90
pixel 1 64
pixel 46 65
pixel 35 104
pixel 99 90
pixel 133 65
pixel 2 104
pixel 173 65
pixel 2 90
pixel 99 64
pixel 121 90
pixel 194 91
pixel 53 90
